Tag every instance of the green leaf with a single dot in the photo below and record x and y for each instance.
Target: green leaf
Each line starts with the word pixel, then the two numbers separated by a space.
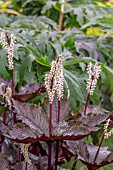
pixel 77 60
pixel 43 61
pixel 26 63
pixel 109 75
pixel 80 15
pixel 69 165
pixel 3 64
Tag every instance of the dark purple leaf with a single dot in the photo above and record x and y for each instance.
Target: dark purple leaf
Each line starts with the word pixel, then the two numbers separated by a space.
pixel 35 124
pixel 22 166
pixel 19 132
pixel 96 109
pixel 83 125
pixel 104 157
pixel 6 82
pixel 30 88
pixel 10 150
pixel 94 115
pixel 43 163
pixel 4 163
pixel 73 131
pixel 33 116
pixel 28 92
pixel 22 133
pixel 86 153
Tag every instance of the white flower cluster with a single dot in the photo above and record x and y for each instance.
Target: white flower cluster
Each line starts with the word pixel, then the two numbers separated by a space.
pixel 106 133
pixel 8 47
pixel 7 94
pixel 54 79
pixel 24 150
pixel 93 77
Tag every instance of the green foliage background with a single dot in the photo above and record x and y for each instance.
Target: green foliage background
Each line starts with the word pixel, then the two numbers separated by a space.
pixel 87 34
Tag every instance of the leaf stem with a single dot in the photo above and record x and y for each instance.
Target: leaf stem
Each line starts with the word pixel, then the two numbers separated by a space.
pixel 74 164
pixel 5 112
pixel 88 96
pixel 4 117
pixel 98 148
pixel 26 166
pixel 56 156
pixel 49 155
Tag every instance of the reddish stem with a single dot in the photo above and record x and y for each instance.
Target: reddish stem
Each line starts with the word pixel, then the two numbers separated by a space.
pixel 12 76
pixel 13 84
pixel 50 121
pixel 20 155
pixel 56 157
pixel 26 166
pixel 5 112
pixel 98 148
pixel 50 134
pixel 58 111
pixel 49 155
pixel 14 118
pixel 8 40
pixel 4 117
pixel 88 96
pixel 13 92
pixel 57 144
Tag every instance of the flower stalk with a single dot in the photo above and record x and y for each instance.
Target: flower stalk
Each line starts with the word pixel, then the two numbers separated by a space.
pixel 57 143
pixel 105 136
pixel 7 42
pixel 94 74
pixel 8 45
pixel 50 121
pixel 54 86
pixel 98 148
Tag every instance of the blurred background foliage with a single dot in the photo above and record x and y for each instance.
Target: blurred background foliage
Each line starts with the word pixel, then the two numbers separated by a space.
pixel 81 30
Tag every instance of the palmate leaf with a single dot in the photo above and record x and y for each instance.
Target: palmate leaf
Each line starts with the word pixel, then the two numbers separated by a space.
pixel 28 92
pixel 32 115
pixel 20 132
pixel 35 126
pixel 87 156
pixel 82 125
pixel 10 150
pixel 73 131
pixel 94 115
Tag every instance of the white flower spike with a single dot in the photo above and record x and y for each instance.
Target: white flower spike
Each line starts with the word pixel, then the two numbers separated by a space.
pixel 93 77
pixel 9 48
pixel 54 79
